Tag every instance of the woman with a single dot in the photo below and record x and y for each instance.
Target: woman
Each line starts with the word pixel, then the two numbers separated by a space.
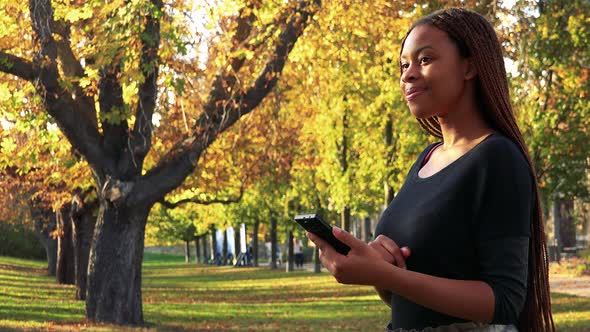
pixel 461 247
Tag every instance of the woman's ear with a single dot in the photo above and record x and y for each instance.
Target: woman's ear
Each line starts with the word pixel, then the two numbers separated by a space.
pixel 470 71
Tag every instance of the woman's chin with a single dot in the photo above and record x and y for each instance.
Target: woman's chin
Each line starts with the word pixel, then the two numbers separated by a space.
pixel 420 113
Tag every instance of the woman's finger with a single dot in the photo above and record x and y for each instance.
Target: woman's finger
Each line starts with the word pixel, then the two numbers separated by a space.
pixel 386 255
pixel 324 247
pixel 406 252
pixel 393 249
pixel 347 238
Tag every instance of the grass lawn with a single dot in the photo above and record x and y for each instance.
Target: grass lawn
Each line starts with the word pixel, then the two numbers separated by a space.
pixel 190 297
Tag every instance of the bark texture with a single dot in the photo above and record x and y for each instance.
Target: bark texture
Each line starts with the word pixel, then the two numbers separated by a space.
pixel 83 217
pixel 116 255
pixel 65 271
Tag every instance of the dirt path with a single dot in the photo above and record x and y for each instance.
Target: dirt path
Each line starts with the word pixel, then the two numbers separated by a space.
pixel 561 283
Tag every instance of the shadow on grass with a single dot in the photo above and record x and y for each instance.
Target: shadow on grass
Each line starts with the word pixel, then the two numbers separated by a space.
pixel 32 286
pixel 26 269
pixel 310 316
pixel 190 297
pixel 205 273
pixel 249 296
pixel 38 313
pixel 569 303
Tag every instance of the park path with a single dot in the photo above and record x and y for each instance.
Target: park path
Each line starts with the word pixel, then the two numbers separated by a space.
pixel 561 283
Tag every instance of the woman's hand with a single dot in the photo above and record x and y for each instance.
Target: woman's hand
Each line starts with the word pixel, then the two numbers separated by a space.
pixel 363 264
pixel 392 254
pixel 390 251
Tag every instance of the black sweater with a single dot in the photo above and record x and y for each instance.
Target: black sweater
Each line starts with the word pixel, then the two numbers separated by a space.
pixel 469 221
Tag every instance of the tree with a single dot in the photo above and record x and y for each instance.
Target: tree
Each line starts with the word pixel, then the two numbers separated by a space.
pixel 269 166
pixel 548 46
pixel 349 78
pixel 44 224
pixel 125 46
pixel 35 161
pixel 65 269
pixel 84 208
pixel 21 199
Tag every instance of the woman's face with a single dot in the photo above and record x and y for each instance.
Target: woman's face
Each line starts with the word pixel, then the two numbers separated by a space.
pixel 433 74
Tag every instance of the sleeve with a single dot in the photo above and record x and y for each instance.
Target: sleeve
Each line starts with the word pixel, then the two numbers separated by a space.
pixel 503 216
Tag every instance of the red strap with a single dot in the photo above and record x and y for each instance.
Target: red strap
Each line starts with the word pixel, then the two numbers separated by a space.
pixel 425 160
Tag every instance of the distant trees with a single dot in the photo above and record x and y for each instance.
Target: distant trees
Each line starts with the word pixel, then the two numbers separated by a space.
pixel 551 86
pixel 141 98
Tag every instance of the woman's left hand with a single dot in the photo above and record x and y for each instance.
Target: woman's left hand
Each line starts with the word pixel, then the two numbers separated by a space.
pixel 362 266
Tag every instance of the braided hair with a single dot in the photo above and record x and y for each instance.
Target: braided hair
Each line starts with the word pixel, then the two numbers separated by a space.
pixel 475 38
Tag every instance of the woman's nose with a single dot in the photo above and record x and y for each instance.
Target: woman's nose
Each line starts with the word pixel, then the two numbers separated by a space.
pixel 410 74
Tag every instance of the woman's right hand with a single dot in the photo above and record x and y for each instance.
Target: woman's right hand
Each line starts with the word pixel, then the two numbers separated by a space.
pixel 390 251
pixel 393 254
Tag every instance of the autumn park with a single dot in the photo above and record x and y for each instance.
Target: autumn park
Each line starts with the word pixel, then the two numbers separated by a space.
pixel 154 153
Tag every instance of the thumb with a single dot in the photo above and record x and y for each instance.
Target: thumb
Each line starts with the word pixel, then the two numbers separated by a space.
pixel 406 252
pixel 347 238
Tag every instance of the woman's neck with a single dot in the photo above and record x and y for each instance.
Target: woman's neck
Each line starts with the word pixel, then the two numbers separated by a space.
pixel 465 125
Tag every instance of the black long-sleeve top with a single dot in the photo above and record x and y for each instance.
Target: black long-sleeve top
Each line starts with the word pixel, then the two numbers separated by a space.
pixel 469 221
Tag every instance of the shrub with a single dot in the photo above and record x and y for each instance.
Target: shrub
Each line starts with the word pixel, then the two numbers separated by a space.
pixel 18 241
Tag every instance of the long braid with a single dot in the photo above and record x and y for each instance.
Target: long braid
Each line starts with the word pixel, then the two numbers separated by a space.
pixel 475 38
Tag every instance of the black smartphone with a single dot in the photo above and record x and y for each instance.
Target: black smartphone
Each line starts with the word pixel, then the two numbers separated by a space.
pixel 313 223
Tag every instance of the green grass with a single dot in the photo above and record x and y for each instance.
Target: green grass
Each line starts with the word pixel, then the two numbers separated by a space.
pixel 190 297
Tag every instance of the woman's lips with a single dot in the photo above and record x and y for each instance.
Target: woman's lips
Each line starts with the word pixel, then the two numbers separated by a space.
pixel 412 93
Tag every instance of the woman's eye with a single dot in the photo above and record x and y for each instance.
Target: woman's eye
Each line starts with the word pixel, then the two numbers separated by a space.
pixel 424 60
pixel 404 66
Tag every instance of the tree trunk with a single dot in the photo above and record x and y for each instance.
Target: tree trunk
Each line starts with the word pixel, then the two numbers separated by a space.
pixel 65 269
pixel 224 253
pixel 83 222
pixel 388 194
pixel 290 256
pixel 345 219
pixel 51 251
pixel 197 250
pixel 204 244
pixel 556 226
pixel 44 223
pixel 50 245
pixel 317 266
pixel 114 271
pixel 187 251
pixel 255 243
pixel 214 252
pixel 390 145
pixel 367 233
pixel 273 242
pixel 237 243
pixel 344 163
pixel 565 229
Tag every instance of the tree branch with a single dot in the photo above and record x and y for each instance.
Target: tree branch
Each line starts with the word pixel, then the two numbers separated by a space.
pixel 218 115
pixel 17 66
pixel 110 98
pixel 243 31
pixel 80 204
pixel 140 141
pixel 245 102
pixel 41 16
pixel 194 200
pixel 80 130
pixel 13 172
pixel 225 83
pixel 72 67
pixel 69 63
